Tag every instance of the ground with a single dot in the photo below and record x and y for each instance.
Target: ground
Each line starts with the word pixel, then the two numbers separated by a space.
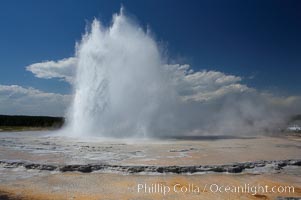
pixel 275 163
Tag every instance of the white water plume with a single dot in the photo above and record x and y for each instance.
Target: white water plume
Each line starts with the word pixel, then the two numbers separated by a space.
pixel 120 84
pixel 124 88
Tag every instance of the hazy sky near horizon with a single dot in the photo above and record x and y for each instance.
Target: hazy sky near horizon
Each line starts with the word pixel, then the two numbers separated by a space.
pixel 258 41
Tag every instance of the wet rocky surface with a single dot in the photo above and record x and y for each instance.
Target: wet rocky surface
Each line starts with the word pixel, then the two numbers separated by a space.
pixel 276 165
pixel 53 149
pixel 48 151
pixel 46 165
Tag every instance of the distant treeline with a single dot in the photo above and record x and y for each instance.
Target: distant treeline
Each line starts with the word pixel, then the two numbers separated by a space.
pixel 296 118
pixel 31 121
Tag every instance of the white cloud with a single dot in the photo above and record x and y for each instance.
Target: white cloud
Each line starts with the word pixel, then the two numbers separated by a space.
pixel 62 69
pixel 204 85
pixel 15 99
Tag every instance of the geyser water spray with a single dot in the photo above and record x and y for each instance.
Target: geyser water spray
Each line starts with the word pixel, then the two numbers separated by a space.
pixel 120 84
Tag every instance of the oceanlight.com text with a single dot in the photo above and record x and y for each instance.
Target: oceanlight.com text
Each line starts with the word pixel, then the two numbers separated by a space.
pixel 165 189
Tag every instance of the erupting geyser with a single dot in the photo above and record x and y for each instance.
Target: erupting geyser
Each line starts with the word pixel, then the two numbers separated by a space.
pixel 124 88
pixel 119 85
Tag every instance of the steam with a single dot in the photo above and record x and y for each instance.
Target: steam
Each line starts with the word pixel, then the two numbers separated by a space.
pixel 124 88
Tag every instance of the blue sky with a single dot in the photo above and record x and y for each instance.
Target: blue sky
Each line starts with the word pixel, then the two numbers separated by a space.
pixel 256 40
pixel 259 39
